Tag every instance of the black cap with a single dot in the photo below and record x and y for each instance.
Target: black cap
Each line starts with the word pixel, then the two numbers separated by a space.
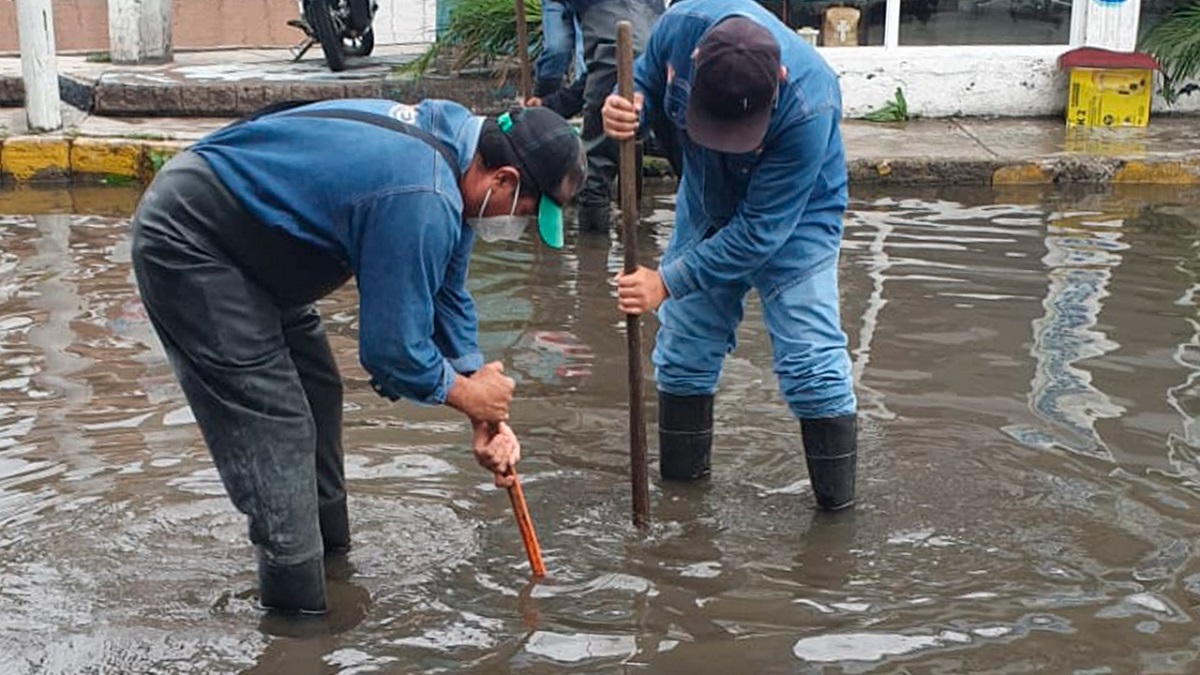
pixel 550 155
pixel 735 74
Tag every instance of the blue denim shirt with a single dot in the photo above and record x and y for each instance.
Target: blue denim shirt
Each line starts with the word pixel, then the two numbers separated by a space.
pixel 388 206
pixel 735 213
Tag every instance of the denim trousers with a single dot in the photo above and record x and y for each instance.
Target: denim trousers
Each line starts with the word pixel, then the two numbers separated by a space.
pixel 800 310
pixel 260 378
pixel 561 39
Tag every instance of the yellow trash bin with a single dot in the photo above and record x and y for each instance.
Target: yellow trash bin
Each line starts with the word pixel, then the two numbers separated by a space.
pixel 1107 88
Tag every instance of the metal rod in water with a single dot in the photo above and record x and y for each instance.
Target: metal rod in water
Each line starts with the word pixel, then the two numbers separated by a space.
pixel 629 222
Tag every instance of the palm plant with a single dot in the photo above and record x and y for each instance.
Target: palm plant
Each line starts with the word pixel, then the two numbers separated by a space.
pixel 1175 42
pixel 482 31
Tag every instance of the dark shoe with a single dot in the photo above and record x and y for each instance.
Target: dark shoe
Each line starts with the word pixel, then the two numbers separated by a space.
pixel 335 527
pixel 595 218
pixel 831 453
pixel 684 436
pixel 292 589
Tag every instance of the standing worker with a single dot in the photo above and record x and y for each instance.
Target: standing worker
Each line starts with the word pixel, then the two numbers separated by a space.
pixel 760 205
pixel 598 21
pixel 237 237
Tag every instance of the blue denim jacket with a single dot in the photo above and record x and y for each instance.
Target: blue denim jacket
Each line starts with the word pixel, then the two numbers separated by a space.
pixel 387 206
pixel 776 212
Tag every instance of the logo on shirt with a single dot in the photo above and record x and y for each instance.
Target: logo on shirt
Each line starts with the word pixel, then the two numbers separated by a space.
pixel 404 113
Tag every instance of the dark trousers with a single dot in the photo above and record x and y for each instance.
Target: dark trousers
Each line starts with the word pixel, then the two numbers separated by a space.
pixel 599 26
pixel 259 376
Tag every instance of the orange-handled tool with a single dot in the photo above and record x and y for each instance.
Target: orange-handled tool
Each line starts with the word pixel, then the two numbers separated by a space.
pixel 525 524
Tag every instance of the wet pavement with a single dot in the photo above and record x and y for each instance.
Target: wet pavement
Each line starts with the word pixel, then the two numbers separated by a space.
pixel 1027 367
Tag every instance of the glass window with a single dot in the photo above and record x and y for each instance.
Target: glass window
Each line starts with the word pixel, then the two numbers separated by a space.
pixel 1154 10
pixel 840 24
pixel 985 22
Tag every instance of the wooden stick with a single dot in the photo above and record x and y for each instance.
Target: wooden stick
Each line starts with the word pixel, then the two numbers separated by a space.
pixel 633 329
pixel 523 48
pixel 525 524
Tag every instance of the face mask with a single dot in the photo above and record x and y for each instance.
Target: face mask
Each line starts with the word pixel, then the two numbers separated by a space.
pixel 499 228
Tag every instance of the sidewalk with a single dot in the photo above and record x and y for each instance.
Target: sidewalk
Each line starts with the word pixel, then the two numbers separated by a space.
pixel 138 116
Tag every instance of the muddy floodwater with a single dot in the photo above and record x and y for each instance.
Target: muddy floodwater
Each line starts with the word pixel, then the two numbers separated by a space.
pixel 1028 371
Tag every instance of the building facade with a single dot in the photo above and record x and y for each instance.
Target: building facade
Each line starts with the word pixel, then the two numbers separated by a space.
pixel 949 57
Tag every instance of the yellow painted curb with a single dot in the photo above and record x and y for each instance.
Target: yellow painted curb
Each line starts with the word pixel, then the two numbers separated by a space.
pixel 1020 174
pixel 26 157
pixel 1159 173
pixel 106 157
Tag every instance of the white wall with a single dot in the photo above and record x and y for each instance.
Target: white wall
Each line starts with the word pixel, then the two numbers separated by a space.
pixel 949 81
pixel 937 81
pixel 405 21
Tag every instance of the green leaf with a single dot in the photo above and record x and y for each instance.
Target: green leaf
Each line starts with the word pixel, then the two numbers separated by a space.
pixel 895 110
pixel 480 30
pixel 1175 42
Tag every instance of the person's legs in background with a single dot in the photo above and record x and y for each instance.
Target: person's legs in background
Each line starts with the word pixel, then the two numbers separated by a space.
pixel 559 43
pixel 599 24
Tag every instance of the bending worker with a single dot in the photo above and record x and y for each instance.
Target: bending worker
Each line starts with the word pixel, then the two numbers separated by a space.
pixel 759 205
pixel 237 237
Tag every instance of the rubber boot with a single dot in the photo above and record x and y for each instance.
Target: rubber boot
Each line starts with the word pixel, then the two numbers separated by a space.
pixel 831 453
pixel 685 425
pixel 595 218
pixel 292 589
pixel 335 527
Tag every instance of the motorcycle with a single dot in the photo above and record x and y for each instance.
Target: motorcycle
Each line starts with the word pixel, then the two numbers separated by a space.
pixel 342 28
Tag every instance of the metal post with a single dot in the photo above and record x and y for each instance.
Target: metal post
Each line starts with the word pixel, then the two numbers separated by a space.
pixel 523 48
pixel 1111 25
pixel 891 24
pixel 39 64
pixel 633 325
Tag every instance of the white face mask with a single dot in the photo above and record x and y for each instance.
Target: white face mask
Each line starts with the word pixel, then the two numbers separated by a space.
pixel 500 228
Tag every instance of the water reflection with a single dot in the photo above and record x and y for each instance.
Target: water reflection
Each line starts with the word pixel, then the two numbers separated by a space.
pixel 1001 344
pixel 1081 257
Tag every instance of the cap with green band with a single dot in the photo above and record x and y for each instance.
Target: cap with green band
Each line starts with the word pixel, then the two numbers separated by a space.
pixel 551 160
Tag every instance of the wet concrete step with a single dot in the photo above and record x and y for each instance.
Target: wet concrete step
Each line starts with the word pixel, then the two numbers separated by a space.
pixel 232 83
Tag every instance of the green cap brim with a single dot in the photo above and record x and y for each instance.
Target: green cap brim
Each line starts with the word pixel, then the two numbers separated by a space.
pixel 550 222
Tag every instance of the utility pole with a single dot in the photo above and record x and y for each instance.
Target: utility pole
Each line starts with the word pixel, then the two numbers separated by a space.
pixel 39 64
pixel 139 31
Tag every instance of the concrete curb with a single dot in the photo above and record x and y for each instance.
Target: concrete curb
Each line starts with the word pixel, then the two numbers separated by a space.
pixel 59 157
pixel 1057 170
pixel 119 95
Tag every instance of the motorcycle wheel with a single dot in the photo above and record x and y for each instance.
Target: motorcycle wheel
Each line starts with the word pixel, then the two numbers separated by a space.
pixel 362 45
pixel 320 17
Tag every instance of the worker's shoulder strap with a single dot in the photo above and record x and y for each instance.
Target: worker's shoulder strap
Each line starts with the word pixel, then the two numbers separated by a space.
pixel 378 120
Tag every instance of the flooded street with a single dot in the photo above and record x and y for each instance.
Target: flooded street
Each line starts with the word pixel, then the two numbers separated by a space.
pixel 1027 365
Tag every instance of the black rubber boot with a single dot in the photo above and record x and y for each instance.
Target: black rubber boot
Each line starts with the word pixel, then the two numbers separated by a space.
pixel 685 425
pixel 292 589
pixel 335 527
pixel 831 453
pixel 595 218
